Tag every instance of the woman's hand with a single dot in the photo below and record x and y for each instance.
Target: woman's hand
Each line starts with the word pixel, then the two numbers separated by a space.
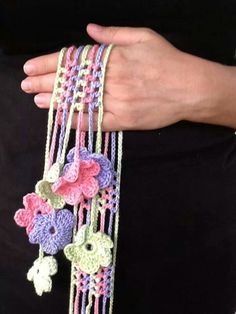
pixel 149 83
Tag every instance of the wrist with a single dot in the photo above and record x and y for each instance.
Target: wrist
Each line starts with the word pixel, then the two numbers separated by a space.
pixel 213 94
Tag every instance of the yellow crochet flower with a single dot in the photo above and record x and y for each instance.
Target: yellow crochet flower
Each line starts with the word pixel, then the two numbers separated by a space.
pixel 40 274
pixel 90 250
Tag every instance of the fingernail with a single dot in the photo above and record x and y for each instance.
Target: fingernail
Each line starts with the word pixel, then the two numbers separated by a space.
pixel 26 85
pixel 28 68
pixel 39 100
pixel 95 27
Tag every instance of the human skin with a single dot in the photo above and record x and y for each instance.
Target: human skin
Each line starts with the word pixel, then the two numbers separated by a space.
pixel 149 83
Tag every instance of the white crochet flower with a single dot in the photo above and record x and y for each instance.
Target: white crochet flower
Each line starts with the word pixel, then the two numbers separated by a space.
pixel 40 274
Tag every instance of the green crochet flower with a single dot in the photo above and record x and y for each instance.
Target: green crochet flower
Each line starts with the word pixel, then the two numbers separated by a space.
pixel 90 250
pixel 40 273
pixel 44 190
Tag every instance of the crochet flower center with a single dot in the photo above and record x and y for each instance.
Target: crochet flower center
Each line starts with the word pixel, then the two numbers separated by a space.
pixel 89 246
pixel 52 230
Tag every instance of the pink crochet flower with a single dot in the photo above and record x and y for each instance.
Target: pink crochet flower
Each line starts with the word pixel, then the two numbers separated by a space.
pixel 34 205
pixel 78 180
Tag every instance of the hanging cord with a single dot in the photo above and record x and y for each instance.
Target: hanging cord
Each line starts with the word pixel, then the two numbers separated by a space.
pixel 60 70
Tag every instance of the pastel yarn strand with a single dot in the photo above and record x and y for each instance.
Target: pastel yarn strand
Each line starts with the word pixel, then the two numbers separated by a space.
pixel 94 210
pixel 101 99
pixel 75 106
pixel 60 106
pixel 73 66
pixel 72 287
pixel 116 227
pixel 96 84
pixel 51 109
pixel 79 94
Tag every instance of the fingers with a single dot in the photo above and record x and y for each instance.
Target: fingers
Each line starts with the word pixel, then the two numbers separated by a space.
pixel 42 100
pixel 39 84
pixel 42 65
pixel 109 122
pixel 119 35
pixel 110 104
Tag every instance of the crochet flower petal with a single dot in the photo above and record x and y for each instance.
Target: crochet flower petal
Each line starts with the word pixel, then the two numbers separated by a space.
pixel 103 240
pixel 85 183
pixel 42 284
pixel 56 201
pixel 29 200
pixel 36 204
pixel 90 187
pixel 66 168
pixel 78 255
pixel 103 161
pixel 54 172
pixel 104 179
pixel 82 234
pixel 53 231
pixel 71 172
pixel 58 185
pixel 105 257
pixel 49 266
pixel 73 253
pixel 23 217
pixel 71 192
pixel 44 189
pixel 104 176
pixel 89 264
pixel 84 153
pixel 40 274
pixel 90 167
pixel 38 231
pixel 31 273
pixel 71 155
pixel 50 247
pixel 90 251
pixel 30 227
pixel 65 219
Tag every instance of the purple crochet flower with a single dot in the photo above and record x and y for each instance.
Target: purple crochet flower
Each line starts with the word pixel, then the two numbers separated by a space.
pixel 53 231
pixel 106 172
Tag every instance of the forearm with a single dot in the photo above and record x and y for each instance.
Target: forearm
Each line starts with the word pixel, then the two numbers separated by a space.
pixel 214 94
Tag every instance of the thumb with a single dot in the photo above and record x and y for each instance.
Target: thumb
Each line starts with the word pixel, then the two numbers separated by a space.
pixel 119 35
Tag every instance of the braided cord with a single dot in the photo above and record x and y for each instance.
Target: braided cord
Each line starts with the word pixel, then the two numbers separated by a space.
pixel 72 288
pixel 116 228
pixel 94 207
pixel 72 68
pixel 75 106
pixel 101 100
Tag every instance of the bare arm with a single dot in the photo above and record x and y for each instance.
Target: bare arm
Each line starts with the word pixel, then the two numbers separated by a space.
pixel 214 99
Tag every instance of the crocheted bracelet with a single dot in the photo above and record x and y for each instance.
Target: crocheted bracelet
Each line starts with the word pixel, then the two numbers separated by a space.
pixel 85 178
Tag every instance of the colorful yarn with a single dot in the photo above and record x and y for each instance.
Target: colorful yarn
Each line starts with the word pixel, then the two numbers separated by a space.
pixel 34 206
pixel 86 176
pixel 40 273
pixel 52 231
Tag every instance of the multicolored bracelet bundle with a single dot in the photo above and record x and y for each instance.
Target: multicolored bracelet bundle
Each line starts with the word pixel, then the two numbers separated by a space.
pixel 75 207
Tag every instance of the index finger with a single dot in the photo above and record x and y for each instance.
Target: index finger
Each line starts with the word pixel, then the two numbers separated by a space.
pixel 42 65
